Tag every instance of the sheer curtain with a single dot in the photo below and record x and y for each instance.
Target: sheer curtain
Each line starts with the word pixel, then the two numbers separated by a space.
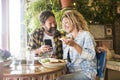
pixel 0 25
pixel 13 32
pixel 16 27
pixel 4 24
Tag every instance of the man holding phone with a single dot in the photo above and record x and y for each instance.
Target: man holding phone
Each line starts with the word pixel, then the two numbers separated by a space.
pixel 46 38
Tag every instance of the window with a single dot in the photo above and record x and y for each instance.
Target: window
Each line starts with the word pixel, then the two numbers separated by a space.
pixel 16 27
pixel 0 24
pixel 13 32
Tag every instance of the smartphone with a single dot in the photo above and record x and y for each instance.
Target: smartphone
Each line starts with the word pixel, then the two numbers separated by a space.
pixel 48 42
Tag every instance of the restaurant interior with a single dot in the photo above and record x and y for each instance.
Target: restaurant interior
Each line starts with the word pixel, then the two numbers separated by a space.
pixel 18 18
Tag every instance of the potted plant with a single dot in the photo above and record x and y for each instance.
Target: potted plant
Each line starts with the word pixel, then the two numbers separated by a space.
pixel 33 8
pixel 66 3
pixel 98 12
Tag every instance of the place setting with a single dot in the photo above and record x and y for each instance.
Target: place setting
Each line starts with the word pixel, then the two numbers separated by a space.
pixel 52 62
pixel 48 60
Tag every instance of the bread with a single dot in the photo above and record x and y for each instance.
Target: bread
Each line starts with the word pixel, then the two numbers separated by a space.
pixel 56 61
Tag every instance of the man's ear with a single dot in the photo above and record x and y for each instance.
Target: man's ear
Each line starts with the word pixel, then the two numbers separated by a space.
pixel 43 25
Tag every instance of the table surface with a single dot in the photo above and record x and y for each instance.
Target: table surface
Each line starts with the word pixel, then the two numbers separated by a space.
pixel 113 65
pixel 32 71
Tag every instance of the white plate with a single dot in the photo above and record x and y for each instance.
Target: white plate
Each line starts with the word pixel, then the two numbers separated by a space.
pixel 52 65
pixel 37 58
pixel 7 63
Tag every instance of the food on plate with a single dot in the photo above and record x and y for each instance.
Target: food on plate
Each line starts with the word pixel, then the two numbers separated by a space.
pixel 46 60
pixel 64 37
pixel 52 60
pixel 57 61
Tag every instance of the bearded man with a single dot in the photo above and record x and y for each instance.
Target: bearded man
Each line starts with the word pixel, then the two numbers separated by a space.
pixel 47 31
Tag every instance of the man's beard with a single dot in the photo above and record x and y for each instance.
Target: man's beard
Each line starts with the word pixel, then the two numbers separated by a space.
pixel 52 30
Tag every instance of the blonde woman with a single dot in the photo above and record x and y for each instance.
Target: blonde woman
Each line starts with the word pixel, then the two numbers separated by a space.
pixel 79 47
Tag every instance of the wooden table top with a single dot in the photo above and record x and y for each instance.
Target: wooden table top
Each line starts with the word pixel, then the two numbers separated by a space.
pixel 25 70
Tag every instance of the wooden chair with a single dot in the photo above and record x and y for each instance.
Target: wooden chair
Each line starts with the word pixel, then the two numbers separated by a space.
pixel 1 70
pixel 101 65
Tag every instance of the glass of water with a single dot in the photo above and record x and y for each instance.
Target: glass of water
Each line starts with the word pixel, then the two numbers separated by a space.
pixel 17 60
pixel 30 57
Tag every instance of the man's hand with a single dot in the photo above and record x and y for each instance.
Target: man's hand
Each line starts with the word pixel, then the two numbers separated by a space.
pixel 45 48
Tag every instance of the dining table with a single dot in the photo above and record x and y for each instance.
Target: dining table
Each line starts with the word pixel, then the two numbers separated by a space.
pixel 32 72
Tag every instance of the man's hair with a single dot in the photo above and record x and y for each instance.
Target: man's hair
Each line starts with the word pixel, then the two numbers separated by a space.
pixel 45 15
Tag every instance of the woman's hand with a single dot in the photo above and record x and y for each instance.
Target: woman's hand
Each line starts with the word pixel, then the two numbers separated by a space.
pixel 69 42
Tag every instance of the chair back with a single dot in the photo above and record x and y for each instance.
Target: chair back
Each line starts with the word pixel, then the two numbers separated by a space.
pixel 101 64
pixel 1 70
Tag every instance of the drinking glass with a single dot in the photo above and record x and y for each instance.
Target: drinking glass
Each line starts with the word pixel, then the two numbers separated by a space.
pixel 30 57
pixel 17 60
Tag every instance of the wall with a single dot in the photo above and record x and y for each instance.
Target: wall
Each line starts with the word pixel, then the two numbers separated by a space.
pixel 102 36
pixel 117 35
pixel 112 42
